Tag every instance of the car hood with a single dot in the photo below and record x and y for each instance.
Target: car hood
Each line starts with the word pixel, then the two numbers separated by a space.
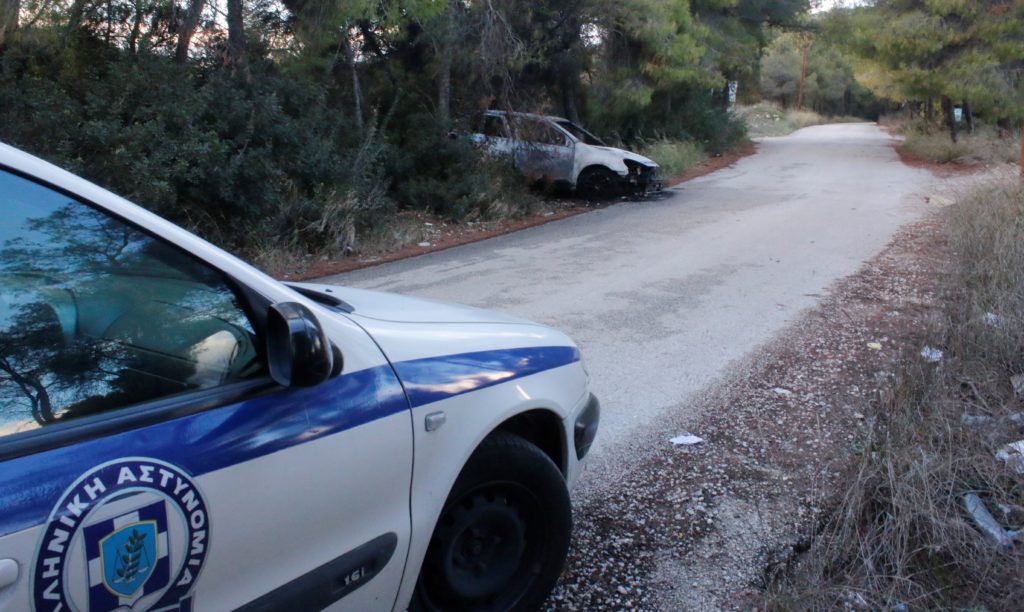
pixel 621 154
pixel 396 308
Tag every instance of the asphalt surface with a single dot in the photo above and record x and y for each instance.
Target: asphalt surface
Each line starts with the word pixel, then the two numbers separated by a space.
pixel 663 295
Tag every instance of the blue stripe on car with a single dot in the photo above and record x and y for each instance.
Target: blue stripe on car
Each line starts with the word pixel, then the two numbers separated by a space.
pixel 437 378
pixel 222 437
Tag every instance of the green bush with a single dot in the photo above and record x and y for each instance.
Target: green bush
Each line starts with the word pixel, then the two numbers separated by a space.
pixel 450 177
pixel 249 165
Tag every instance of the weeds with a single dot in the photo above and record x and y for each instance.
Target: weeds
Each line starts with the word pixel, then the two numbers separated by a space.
pixel 674 156
pixel 900 538
pixel 983 147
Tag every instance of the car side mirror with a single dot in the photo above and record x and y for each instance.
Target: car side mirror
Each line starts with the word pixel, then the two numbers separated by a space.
pixel 298 351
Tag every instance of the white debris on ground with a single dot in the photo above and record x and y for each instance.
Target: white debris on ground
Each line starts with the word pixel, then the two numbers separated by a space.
pixel 993 319
pixel 1017 382
pixel 686 439
pixel 985 522
pixel 1013 456
pixel 931 355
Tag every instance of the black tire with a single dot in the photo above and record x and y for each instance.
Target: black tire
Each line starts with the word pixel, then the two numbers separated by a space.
pixel 598 183
pixel 503 535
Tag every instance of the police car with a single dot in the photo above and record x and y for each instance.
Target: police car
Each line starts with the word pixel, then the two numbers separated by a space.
pixel 179 431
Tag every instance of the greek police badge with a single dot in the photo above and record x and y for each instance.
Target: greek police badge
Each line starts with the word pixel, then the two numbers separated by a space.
pixel 131 534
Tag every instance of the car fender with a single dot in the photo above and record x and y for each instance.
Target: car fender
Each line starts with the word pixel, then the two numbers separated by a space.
pixel 607 157
pixel 511 378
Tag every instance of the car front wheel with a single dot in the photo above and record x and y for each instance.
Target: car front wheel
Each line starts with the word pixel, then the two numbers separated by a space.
pixel 598 183
pixel 503 535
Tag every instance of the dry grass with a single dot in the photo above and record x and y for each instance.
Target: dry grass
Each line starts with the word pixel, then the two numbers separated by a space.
pixel 982 148
pixel 900 537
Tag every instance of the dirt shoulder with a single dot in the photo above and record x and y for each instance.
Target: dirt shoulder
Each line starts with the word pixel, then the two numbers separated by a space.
pixel 427 233
pixel 942 170
pixel 707 526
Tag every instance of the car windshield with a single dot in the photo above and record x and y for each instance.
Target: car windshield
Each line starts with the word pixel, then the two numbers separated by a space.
pixel 581 133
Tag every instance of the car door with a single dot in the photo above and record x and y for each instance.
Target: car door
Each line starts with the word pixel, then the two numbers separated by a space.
pixel 147 461
pixel 542 152
pixel 494 135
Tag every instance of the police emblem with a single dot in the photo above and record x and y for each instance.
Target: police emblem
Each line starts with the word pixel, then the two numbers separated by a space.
pixel 131 534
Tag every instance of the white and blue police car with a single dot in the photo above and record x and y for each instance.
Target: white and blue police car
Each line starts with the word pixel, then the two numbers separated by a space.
pixel 179 431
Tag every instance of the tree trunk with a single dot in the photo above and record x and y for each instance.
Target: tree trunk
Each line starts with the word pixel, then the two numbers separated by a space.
pixel 188 30
pixel 803 77
pixel 9 10
pixel 947 111
pixel 444 48
pixel 568 83
pixel 235 57
pixel 74 19
pixel 133 40
pixel 357 90
pixel 968 117
pixel 444 84
pixel 929 110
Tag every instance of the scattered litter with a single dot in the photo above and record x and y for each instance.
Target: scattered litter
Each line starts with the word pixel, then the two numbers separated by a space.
pixel 975 420
pixel 429 224
pixel 993 319
pixel 1013 455
pixel 931 355
pixel 875 346
pixel 858 415
pixel 424 244
pixel 686 439
pixel 939 200
pixel 855 600
pixel 782 391
pixel 548 214
pixel 1017 381
pixel 988 525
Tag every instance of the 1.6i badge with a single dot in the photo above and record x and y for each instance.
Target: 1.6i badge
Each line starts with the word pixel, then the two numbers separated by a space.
pixel 130 534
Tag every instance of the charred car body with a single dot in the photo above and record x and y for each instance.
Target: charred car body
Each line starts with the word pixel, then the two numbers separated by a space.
pixel 556 151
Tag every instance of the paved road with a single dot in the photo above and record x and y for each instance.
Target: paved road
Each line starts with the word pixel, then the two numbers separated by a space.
pixel 662 295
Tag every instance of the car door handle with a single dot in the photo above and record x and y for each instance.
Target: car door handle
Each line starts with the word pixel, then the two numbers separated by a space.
pixel 434 421
pixel 8 572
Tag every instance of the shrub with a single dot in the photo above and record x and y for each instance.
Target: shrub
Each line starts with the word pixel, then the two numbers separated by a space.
pixel 674 156
pixel 450 177
pixel 983 147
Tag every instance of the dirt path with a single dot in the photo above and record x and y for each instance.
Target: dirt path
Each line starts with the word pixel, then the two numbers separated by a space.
pixel 706 526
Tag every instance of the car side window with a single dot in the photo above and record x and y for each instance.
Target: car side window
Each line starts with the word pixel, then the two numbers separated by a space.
pixel 494 127
pixel 97 315
pixel 538 132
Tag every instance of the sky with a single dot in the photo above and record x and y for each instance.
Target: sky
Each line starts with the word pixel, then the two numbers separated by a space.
pixel 826 5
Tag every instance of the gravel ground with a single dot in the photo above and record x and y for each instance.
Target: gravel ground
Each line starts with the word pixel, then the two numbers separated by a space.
pixel 708 526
